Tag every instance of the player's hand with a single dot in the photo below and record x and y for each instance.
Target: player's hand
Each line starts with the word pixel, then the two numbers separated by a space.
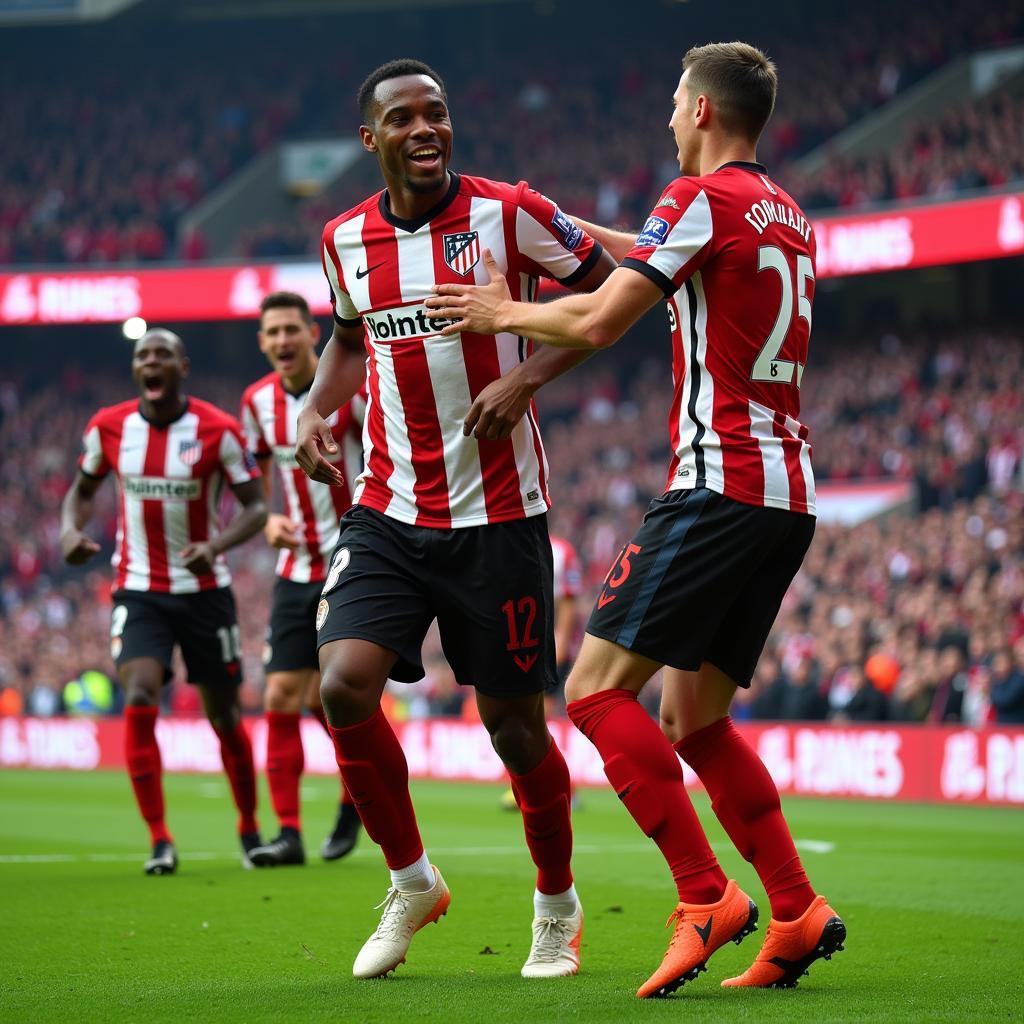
pixel 314 437
pixel 474 308
pixel 76 548
pixel 281 532
pixel 199 558
pixel 497 409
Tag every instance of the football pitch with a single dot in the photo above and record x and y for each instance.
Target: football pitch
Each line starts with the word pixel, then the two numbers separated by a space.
pixel 933 898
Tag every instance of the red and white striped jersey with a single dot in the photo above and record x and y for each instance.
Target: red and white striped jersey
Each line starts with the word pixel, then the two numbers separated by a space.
pixel 419 468
pixel 269 414
pixel 170 479
pixel 735 255
pixel 568 575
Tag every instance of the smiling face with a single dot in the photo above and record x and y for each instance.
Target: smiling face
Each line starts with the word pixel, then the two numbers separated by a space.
pixel 411 134
pixel 159 365
pixel 289 342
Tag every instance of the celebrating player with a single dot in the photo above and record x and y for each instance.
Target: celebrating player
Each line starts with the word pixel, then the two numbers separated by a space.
pixel 305 534
pixel 701 582
pixel 171 455
pixel 446 525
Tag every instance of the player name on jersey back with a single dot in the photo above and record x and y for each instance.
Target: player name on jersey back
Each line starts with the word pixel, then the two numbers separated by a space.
pixel 739 306
pixel 419 467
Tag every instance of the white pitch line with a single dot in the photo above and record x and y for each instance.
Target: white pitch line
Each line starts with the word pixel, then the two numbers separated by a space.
pixel 810 845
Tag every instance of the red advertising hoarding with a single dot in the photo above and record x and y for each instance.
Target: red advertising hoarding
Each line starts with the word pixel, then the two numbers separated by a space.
pixel 880 762
pixel 897 239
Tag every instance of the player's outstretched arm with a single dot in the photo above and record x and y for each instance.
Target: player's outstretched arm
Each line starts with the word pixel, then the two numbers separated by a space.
pixel 591 321
pixel 617 243
pixel 247 521
pixel 338 377
pixel 75 513
pixel 503 403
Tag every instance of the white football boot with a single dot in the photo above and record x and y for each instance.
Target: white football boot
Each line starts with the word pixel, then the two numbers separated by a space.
pixel 555 952
pixel 405 913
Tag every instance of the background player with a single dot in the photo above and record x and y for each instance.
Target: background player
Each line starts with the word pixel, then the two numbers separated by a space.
pixel 702 580
pixel 445 525
pixel 305 534
pixel 171 455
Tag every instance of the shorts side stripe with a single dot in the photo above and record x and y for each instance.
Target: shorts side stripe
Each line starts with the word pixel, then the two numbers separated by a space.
pixel 669 550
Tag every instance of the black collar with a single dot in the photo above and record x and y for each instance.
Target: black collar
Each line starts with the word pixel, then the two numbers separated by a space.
pixel 744 165
pixel 163 424
pixel 384 204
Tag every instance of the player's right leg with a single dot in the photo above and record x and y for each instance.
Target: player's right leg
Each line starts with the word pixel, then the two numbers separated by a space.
pixel 371 622
pixel 283 700
pixel 646 776
pixel 141 642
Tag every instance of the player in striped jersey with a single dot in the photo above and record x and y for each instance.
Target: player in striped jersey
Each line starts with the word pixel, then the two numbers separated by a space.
pixel 171 455
pixel 445 525
pixel 305 534
pixel 701 582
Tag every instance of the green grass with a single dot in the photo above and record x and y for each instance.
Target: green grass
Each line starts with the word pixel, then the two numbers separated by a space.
pixel 933 898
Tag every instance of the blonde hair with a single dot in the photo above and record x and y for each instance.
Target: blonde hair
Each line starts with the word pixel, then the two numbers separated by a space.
pixel 739 79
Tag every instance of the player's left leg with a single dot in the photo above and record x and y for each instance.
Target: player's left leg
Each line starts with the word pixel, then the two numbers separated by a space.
pixel 207 631
pixel 341 840
pixel 497 631
pixel 543 792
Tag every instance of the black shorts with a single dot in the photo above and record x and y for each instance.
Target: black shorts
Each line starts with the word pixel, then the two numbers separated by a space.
pixel 489 587
pixel 204 625
pixel 702 580
pixel 291 635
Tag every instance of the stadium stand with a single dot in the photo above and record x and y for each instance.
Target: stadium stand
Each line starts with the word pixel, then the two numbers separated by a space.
pixel 124 144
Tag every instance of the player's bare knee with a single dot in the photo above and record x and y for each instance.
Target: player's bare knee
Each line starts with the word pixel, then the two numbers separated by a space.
pixel 671 726
pixel 141 689
pixel 581 683
pixel 519 744
pixel 348 695
pixel 284 692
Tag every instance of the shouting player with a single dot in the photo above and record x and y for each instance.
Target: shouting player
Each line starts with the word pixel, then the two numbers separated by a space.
pixel 305 534
pixel 701 582
pixel 445 525
pixel 171 455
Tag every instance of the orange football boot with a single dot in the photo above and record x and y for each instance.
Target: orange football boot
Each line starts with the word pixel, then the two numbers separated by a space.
pixel 700 929
pixel 790 947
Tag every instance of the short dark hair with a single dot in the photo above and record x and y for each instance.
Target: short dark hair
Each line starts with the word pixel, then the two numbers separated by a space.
pixel 739 79
pixel 286 300
pixel 393 69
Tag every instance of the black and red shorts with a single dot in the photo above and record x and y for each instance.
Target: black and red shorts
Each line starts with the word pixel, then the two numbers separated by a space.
pixel 291 636
pixel 702 580
pixel 204 625
pixel 489 587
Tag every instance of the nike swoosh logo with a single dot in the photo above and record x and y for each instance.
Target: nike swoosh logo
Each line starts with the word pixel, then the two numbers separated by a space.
pixel 360 273
pixel 705 932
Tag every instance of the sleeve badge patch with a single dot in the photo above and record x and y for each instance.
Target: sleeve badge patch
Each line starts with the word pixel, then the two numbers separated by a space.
pixel 654 233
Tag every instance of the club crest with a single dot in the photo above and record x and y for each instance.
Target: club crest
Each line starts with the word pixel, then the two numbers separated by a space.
pixel 190 452
pixel 462 251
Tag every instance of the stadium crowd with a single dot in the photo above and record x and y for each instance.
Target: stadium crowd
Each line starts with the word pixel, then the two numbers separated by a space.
pixel 114 151
pixel 906 618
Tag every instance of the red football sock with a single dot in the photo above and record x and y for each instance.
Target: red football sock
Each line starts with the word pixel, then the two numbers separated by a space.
pixel 544 795
pixel 746 802
pixel 648 779
pixel 285 762
pixel 144 767
pixel 236 753
pixel 376 773
pixel 318 714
